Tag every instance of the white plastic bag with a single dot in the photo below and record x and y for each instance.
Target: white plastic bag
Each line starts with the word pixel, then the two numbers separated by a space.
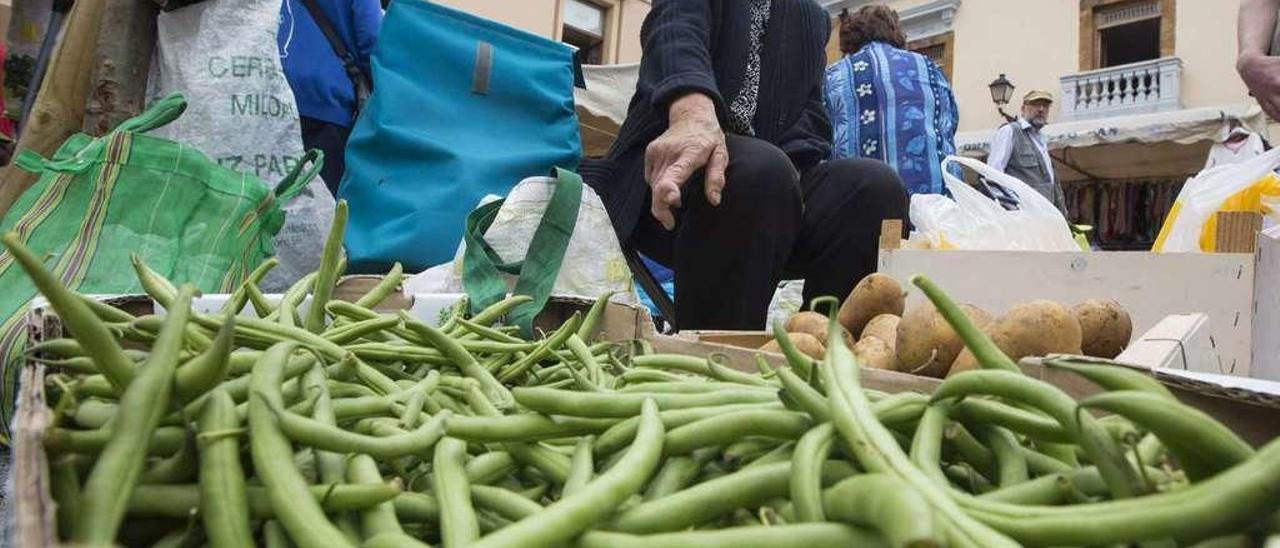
pixel 593 262
pixel 970 220
pixel 241 112
pixel 1251 185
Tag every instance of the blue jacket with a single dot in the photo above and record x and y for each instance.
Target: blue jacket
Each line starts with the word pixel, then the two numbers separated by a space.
pixel 320 85
pixel 894 106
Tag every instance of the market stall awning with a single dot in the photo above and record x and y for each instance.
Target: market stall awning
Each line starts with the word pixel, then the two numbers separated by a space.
pixel 1164 144
pixel 602 106
pixel 1185 126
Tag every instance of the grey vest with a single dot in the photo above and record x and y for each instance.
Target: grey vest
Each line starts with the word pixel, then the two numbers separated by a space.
pixel 1027 164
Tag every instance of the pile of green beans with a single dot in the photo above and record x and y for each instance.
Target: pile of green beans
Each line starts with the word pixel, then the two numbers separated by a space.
pixel 346 426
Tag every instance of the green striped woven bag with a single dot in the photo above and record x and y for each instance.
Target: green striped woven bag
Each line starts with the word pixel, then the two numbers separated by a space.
pixel 99 201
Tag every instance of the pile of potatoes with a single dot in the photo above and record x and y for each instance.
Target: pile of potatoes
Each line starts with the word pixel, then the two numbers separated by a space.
pixel 919 340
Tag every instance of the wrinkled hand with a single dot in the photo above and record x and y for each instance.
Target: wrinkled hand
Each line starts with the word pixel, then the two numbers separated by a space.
pixel 1261 73
pixel 693 140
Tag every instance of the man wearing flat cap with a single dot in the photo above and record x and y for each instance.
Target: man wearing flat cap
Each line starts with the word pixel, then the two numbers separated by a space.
pixel 1019 148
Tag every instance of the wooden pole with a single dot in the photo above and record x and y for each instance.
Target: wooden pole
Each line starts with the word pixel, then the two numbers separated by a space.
pixel 118 89
pixel 58 112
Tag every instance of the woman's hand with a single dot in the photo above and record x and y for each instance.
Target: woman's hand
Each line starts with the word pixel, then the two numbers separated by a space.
pixel 1261 73
pixel 693 140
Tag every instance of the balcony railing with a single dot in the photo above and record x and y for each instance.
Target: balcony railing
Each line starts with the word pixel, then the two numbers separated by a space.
pixel 1136 88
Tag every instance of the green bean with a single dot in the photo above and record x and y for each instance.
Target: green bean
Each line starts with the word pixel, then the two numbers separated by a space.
pixel 64 487
pixel 463 360
pixel 325 437
pixel 327 275
pixel 544 348
pixel 886 504
pixel 1032 425
pixel 287 308
pixel 878 451
pixel 106 312
pixel 489 467
pixel 1201 444
pixel 621 434
pixel 964 475
pixel 207 369
pixel 728 427
pixel 488 332
pixel 1224 503
pixel 458 525
pixel 499 309
pixel 153 283
pixel 583 355
pixel 806 472
pixel 1111 377
pixel 60 348
pixel 389 283
pixel 781 453
pixel 808 535
pixel 507 504
pixel 970 449
pixel 393 540
pixel 595 502
pixel 988 355
pixel 357 330
pixel 596 404
pixel 416 508
pixel 380 519
pixel 806 397
pixel 176 468
pixel 91 334
pixel 1083 427
pixel 274 536
pixel 798 360
pixel 235 303
pixel 1011 462
pixel 166 440
pixel 331 467
pixel 640 376
pixel 926 446
pixel 675 473
pixel 222 491
pixel 142 405
pixel 594 315
pixel 180 501
pixel 417 398
pixel 272 457
pixel 697 366
pixel 261 306
pixel 686 387
pixel 713 498
pixel 581 467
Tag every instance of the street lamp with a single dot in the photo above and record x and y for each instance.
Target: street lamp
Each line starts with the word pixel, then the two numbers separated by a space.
pixel 1001 92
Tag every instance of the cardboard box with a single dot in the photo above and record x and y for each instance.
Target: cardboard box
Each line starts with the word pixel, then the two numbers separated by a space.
pixel 1252 413
pixel 1239 292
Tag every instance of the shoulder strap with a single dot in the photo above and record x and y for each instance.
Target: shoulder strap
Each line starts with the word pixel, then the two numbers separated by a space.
pixel 358 78
pixel 482 269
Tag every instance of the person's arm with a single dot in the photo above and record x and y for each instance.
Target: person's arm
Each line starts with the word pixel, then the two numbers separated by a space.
pixel 676 40
pixel 808 141
pixel 1001 148
pixel 676 67
pixel 366 16
pixel 1259 70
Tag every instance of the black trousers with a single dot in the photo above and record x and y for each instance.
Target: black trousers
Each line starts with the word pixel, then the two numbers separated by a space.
pixel 331 139
pixel 772 224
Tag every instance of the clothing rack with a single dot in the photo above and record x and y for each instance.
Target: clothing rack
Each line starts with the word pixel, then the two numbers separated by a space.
pixel 1126 214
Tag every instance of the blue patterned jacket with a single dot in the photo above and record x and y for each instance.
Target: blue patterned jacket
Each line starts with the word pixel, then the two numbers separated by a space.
pixel 894 106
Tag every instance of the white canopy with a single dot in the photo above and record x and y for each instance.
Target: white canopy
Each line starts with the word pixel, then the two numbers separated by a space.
pixel 602 106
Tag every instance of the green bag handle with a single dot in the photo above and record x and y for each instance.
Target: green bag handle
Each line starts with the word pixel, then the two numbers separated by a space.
pixel 482 268
pixel 300 176
pixel 159 114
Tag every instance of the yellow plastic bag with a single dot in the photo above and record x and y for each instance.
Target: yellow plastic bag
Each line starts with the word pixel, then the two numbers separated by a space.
pixel 1251 186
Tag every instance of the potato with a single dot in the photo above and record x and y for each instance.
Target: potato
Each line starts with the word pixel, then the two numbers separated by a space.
pixel 807 344
pixel 1105 327
pixel 814 324
pixel 874 353
pixel 885 328
pixel 926 344
pixel 875 295
pixel 1033 329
